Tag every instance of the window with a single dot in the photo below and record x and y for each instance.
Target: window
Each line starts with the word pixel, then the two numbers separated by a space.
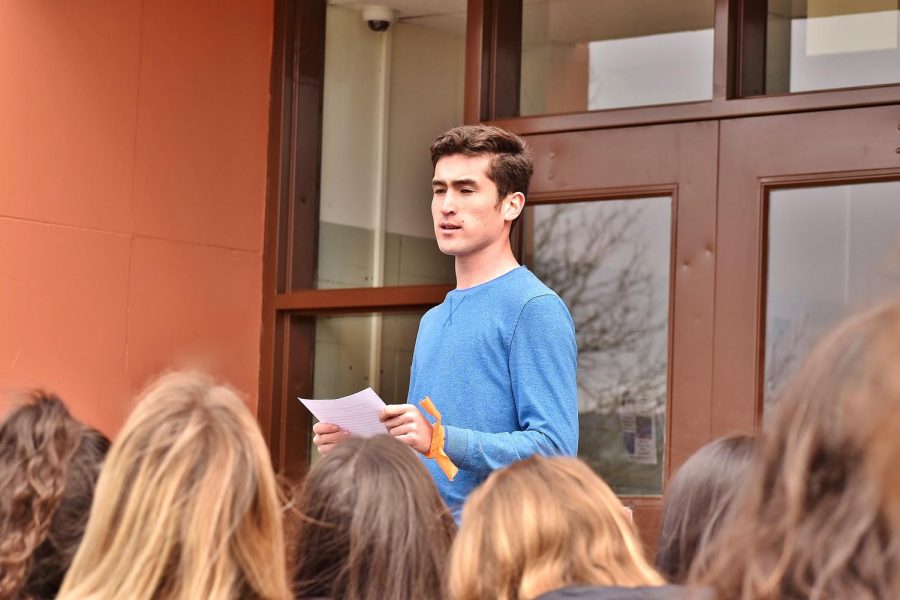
pixel 609 261
pixel 581 55
pixel 375 225
pixel 832 251
pixel 824 44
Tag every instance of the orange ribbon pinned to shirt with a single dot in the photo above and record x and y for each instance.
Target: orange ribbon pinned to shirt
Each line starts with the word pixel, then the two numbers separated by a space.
pixel 439 435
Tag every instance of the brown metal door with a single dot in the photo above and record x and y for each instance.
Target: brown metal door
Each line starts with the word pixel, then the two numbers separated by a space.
pixel 758 156
pixel 679 161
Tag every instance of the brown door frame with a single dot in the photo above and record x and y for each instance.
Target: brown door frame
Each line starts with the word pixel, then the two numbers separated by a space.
pixel 643 162
pixel 757 156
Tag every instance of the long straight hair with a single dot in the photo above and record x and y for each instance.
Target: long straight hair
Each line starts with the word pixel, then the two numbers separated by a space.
pixel 542 524
pixel 186 506
pixel 811 521
pixel 697 501
pixel 372 525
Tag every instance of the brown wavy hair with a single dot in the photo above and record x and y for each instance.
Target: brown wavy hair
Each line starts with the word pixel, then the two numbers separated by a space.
pixel 811 521
pixel 697 500
pixel 542 524
pixel 50 464
pixel 371 525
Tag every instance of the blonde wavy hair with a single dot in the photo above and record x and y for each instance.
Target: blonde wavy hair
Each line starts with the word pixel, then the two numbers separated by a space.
pixel 542 524
pixel 186 506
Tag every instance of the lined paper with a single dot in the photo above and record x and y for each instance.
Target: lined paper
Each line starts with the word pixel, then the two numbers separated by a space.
pixel 357 413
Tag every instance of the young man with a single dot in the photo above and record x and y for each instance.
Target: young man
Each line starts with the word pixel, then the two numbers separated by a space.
pixel 498 356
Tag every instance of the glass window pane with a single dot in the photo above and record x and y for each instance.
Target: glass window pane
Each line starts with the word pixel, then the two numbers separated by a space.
pixel 832 251
pixel 609 261
pixel 580 55
pixel 360 351
pixel 824 44
pixel 387 96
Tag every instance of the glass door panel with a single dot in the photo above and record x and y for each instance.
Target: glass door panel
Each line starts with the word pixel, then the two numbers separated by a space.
pixel 832 251
pixel 610 262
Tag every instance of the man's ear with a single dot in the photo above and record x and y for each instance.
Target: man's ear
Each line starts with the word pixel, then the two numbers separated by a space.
pixel 513 205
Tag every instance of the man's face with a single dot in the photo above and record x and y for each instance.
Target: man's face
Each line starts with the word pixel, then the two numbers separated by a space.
pixel 467 216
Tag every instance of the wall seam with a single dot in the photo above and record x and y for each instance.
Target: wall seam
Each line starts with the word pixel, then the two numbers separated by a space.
pixel 134 157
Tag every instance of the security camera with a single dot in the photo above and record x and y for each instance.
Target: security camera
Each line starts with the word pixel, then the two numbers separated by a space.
pixel 378 18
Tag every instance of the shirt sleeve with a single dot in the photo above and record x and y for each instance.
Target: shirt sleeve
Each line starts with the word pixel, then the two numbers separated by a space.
pixel 542 367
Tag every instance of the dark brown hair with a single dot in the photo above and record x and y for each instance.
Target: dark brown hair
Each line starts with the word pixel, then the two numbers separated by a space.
pixel 812 521
pixel 49 466
pixel 697 499
pixel 371 525
pixel 511 166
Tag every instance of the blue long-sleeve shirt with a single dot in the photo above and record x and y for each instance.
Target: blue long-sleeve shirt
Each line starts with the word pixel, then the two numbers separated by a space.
pixel 499 362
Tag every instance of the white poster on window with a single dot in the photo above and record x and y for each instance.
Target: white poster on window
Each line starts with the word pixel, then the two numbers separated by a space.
pixel 638 433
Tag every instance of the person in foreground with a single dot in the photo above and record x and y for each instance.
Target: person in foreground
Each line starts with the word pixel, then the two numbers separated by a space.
pixel 549 528
pixel 812 522
pixel 49 464
pixel 883 449
pixel 498 356
pixel 697 500
pixel 186 506
pixel 371 526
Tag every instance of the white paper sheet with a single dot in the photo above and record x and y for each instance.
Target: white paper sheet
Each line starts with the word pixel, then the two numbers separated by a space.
pixel 357 413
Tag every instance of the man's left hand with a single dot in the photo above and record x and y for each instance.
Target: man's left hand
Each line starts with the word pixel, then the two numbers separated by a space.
pixel 407 424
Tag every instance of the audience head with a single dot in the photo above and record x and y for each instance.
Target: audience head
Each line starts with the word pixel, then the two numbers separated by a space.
pixel 49 464
pixel 697 500
pixel 542 524
pixel 371 525
pixel 884 454
pixel 811 521
pixel 186 506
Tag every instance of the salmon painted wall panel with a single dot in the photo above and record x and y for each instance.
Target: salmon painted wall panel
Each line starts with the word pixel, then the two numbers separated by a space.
pixel 132 195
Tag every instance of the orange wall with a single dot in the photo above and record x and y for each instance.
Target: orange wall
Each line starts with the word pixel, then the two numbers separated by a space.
pixel 132 192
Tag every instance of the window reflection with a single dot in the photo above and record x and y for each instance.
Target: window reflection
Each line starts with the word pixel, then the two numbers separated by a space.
pixel 832 251
pixel 609 261
pixel 580 55
pixel 822 44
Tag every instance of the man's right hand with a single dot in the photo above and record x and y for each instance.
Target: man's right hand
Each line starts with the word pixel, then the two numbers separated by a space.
pixel 327 436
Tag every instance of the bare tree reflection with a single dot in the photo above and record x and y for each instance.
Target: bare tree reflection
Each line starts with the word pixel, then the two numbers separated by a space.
pixel 616 321
pixel 595 256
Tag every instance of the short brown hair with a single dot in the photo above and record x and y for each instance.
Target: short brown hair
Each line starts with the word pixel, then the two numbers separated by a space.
pixel 511 165
pixel 371 525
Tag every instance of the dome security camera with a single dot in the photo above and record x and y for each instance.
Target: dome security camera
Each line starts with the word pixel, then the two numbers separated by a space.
pixel 378 18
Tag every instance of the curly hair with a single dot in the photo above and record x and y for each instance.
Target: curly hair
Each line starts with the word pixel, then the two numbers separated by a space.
pixel 49 465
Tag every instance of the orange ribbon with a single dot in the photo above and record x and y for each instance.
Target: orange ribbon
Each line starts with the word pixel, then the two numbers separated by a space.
pixel 438 436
